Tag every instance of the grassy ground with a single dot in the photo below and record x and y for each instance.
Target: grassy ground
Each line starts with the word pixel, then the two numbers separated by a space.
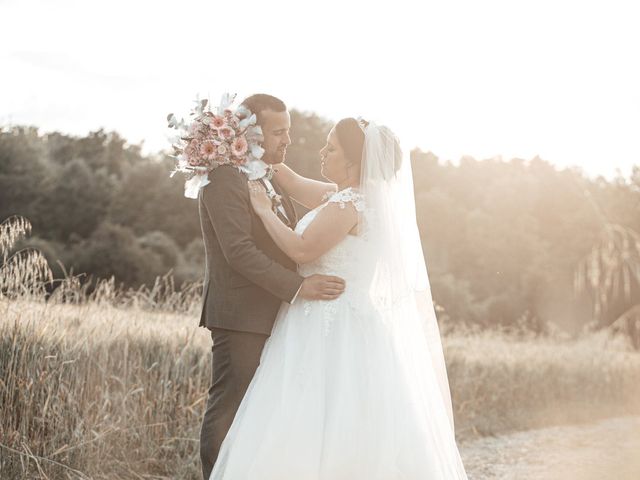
pixel 94 391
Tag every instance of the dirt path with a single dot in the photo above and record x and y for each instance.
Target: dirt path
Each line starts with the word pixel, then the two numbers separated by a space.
pixel 606 450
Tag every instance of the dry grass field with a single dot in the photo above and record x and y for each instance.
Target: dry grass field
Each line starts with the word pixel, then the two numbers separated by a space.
pixel 95 391
pixel 112 385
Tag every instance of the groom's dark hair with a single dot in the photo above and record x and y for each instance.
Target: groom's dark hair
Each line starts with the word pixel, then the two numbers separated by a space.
pixel 261 102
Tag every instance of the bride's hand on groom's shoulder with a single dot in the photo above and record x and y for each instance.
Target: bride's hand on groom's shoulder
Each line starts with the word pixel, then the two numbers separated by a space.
pixel 260 201
pixel 322 287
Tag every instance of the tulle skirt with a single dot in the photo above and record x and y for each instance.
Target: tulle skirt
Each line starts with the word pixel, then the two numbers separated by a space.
pixel 342 393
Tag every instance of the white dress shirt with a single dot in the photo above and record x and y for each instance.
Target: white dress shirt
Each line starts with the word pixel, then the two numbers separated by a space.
pixel 272 192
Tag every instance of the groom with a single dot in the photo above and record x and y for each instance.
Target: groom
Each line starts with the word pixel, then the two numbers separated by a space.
pixel 247 276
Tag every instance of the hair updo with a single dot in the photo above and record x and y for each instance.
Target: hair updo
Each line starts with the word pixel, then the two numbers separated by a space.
pixel 351 138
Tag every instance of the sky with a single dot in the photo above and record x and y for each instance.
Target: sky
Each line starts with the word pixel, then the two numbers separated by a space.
pixel 556 79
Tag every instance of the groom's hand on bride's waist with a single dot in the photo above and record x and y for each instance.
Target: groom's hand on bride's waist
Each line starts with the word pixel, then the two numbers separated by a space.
pixel 321 287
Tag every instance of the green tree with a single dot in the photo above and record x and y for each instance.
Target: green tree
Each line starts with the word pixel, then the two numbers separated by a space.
pixel 73 201
pixel 113 250
pixel 148 200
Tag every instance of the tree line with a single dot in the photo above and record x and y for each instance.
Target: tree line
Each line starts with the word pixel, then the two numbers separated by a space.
pixel 502 239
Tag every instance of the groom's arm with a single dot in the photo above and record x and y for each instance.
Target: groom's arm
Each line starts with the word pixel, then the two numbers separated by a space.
pixel 227 203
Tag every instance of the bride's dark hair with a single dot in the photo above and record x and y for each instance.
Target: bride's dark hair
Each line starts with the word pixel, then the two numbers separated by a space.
pixel 351 138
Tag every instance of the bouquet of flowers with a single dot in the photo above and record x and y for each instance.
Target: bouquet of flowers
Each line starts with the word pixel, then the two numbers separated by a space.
pixel 223 136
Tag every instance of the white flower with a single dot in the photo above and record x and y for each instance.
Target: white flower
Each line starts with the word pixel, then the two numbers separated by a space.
pixel 244 123
pixel 257 151
pixel 225 102
pixel 242 111
pixel 254 134
pixel 193 186
pixel 255 169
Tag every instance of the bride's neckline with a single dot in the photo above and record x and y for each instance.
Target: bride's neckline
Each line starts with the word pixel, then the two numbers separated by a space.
pixel 350 187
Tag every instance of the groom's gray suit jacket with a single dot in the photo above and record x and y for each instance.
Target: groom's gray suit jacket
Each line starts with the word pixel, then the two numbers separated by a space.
pixel 247 276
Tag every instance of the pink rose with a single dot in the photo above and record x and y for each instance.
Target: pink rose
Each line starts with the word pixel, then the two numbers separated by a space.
pixel 226 132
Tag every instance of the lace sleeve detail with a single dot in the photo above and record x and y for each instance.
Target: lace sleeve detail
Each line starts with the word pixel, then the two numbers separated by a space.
pixel 348 195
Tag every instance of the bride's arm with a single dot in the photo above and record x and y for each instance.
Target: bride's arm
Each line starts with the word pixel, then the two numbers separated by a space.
pixel 330 227
pixel 305 191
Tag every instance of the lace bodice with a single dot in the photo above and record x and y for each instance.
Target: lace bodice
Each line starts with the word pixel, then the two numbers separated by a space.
pixel 342 198
pixel 345 260
pixel 339 260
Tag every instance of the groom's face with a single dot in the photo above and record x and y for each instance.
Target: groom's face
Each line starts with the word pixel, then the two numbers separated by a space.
pixel 275 129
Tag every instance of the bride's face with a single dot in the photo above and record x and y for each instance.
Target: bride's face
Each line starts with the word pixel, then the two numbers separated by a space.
pixel 333 163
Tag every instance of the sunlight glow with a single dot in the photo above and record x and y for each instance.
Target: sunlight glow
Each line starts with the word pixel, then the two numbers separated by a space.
pixel 493 78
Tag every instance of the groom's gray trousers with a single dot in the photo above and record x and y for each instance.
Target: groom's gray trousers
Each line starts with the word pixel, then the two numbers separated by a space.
pixel 235 358
pixel 247 278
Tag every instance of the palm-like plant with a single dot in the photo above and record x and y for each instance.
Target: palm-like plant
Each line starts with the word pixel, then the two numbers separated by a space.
pixel 610 269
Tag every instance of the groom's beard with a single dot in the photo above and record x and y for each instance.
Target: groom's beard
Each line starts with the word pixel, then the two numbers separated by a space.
pixel 276 157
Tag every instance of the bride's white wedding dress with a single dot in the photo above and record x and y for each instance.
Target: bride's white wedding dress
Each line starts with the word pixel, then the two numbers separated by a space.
pixel 344 390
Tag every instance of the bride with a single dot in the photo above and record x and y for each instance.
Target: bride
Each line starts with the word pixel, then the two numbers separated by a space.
pixel 353 388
